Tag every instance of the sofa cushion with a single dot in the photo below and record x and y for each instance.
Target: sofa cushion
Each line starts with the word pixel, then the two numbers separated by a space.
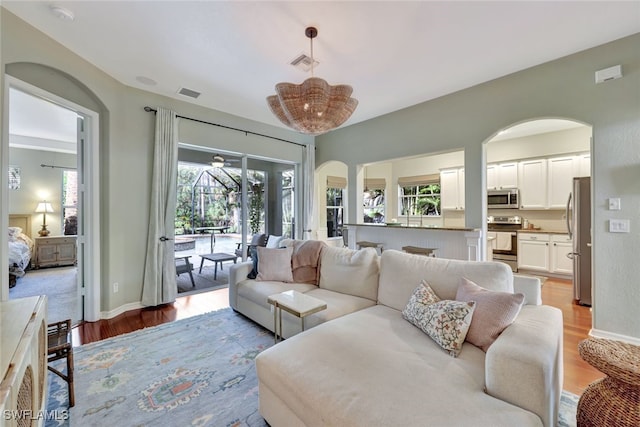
pixel 494 312
pixel 338 304
pixel 258 292
pixel 400 272
pixel 274 264
pixel 350 371
pixel 445 321
pixel 350 272
pixel 273 242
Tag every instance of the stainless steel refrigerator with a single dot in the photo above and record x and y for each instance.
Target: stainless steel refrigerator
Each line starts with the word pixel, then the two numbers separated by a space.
pixel 579 226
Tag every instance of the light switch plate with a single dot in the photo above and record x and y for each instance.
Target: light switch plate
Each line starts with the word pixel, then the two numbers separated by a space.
pixel 619 226
pixel 614 204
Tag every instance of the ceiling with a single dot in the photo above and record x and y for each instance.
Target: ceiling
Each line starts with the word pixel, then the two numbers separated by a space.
pixel 394 54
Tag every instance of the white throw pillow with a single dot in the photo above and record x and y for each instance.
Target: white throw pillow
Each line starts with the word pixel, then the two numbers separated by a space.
pixel 350 272
pixel 274 241
pixel 274 264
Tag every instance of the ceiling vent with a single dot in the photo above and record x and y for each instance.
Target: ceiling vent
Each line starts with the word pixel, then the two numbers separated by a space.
pixel 303 62
pixel 188 92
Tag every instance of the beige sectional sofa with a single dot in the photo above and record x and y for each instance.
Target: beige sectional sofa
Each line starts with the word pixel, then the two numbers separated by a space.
pixel 360 363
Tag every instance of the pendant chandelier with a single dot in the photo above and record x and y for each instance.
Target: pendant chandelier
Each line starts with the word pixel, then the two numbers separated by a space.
pixel 313 107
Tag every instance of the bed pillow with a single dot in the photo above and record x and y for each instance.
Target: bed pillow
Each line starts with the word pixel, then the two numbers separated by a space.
pixel 14 232
pixel 274 264
pixel 494 312
pixel 445 321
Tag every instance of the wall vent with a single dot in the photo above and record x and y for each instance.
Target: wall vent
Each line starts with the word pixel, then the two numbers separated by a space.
pixel 188 92
pixel 303 62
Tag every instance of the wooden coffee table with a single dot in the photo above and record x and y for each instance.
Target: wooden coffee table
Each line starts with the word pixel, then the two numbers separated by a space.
pixel 217 258
pixel 296 303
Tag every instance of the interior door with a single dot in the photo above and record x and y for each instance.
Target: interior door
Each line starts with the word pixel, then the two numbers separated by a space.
pixel 81 208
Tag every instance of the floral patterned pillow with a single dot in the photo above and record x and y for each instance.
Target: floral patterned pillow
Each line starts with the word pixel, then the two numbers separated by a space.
pixel 445 321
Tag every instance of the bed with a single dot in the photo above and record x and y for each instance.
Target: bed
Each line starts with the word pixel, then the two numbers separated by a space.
pixel 21 246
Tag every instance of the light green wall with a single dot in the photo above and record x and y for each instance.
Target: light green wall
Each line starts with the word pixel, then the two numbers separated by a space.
pixel 36 180
pixel 126 144
pixel 563 88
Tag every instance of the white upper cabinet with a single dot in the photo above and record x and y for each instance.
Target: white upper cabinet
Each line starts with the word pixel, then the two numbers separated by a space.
pixel 502 176
pixel 584 164
pixel 532 176
pixel 561 171
pixel 452 189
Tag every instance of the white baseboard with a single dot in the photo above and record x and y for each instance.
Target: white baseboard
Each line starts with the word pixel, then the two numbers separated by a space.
pixel 596 333
pixel 120 310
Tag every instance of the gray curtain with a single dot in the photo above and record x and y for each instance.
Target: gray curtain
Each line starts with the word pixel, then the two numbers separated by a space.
pixel 159 282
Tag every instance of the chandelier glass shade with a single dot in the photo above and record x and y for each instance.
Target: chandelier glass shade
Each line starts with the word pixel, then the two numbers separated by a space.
pixel 313 107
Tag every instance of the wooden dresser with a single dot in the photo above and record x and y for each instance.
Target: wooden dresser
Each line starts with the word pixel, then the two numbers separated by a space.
pixel 55 251
pixel 23 361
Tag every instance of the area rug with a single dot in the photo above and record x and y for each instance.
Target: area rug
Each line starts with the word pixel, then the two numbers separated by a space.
pixel 193 372
pixel 204 281
pixel 59 284
pixel 197 371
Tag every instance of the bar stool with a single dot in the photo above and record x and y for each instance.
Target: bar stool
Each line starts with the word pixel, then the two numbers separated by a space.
pixel 59 347
pixel 417 250
pixel 366 244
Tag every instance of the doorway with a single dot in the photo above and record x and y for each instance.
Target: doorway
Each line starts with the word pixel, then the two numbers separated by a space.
pixel 49 144
pixel 533 165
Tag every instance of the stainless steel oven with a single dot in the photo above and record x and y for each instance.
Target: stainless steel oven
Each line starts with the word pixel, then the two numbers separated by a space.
pixel 503 199
pixel 505 244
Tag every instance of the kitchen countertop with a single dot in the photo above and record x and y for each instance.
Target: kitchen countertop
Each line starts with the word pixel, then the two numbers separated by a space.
pixel 544 231
pixel 425 227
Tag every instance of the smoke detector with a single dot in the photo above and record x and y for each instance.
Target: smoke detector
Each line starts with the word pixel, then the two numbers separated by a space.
pixel 62 13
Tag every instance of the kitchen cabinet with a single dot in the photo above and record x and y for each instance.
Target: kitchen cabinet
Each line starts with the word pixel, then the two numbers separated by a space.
pixel 55 251
pixel 584 164
pixel 502 176
pixel 561 245
pixel 545 253
pixel 533 251
pixel 452 189
pixel 560 173
pixel 532 177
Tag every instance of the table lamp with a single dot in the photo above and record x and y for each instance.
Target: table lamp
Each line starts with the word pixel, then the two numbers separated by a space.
pixel 44 207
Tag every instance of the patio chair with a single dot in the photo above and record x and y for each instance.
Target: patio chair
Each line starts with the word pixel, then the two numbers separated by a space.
pixel 259 239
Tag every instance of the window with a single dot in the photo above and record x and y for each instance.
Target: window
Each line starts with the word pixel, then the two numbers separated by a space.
pixel 418 200
pixel 70 202
pixel 373 205
pixel 288 207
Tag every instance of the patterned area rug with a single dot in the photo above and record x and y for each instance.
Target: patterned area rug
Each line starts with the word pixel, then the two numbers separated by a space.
pixel 197 371
pixel 192 372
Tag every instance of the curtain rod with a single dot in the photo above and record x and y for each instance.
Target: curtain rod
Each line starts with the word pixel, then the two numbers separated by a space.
pixel 42 165
pixel 149 110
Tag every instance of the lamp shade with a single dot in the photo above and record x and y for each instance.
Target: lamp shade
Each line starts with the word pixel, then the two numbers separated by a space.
pixel 44 207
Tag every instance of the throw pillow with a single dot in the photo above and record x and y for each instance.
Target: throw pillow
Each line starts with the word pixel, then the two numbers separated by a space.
pixel 253 253
pixel 494 312
pixel 274 241
pixel 445 321
pixel 274 264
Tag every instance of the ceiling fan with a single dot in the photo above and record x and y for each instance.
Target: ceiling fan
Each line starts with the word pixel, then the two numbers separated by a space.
pixel 219 162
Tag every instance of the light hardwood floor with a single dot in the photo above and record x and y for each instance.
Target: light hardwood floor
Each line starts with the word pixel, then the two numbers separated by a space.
pixel 558 293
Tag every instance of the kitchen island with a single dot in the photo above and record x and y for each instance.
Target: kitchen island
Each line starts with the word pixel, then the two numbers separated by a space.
pixel 449 242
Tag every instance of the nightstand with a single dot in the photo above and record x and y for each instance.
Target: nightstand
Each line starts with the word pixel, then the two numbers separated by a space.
pixel 55 251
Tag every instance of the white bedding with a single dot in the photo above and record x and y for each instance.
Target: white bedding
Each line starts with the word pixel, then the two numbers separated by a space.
pixel 20 250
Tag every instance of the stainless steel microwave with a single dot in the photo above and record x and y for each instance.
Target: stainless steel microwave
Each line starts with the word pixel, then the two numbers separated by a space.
pixel 503 199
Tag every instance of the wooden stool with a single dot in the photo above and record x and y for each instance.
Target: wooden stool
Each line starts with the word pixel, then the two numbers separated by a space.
pixel 615 399
pixel 59 347
pixel 417 250
pixel 365 244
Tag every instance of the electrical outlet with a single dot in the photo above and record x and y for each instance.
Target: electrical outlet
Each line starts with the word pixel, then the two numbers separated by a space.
pixel 619 226
pixel 116 285
pixel 614 204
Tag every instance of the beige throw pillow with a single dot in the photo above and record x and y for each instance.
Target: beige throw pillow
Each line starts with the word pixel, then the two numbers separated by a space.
pixel 494 312
pixel 274 264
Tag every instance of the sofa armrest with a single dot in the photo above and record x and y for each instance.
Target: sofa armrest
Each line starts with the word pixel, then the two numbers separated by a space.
pixel 237 273
pixel 524 365
pixel 530 286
